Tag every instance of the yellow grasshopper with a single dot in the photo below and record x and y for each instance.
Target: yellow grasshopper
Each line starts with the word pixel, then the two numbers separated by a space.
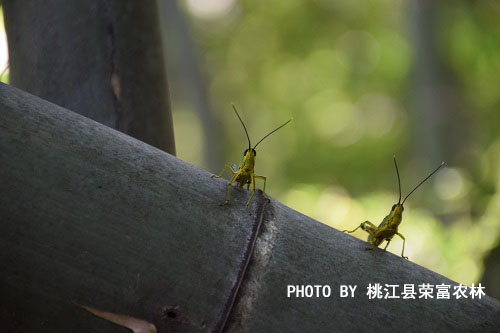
pixel 389 226
pixel 245 174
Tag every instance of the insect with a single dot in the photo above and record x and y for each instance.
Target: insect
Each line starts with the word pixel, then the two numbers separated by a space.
pixel 389 226
pixel 245 174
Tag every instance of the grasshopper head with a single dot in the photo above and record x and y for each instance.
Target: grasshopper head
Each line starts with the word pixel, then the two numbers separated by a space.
pixel 395 216
pixel 249 150
pixel 397 210
pixel 249 158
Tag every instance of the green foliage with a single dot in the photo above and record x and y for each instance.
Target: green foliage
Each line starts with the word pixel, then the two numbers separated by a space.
pixel 344 71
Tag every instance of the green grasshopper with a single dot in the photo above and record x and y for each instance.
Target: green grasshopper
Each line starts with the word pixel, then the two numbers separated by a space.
pixel 245 174
pixel 389 226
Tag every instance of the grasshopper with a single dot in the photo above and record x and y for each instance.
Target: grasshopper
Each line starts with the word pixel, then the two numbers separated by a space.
pixel 389 226
pixel 245 174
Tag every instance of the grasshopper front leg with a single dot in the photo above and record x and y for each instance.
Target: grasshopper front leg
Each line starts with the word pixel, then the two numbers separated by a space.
pixel 264 189
pixel 404 241
pixel 371 247
pixel 229 189
pixel 253 189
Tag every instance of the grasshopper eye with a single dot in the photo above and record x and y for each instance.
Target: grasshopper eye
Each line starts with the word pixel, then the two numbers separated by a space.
pixel 402 208
pixel 245 152
pixel 393 207
pixel 254 152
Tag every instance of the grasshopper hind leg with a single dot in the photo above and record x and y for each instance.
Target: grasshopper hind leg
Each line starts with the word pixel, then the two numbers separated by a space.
pixel 369 228
pixel 226 166
pixel 350 232
pixel 366 226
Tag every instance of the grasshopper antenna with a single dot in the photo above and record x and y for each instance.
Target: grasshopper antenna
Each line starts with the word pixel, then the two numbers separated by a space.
pixel 241 121
pixel 289 120
pixel 399 179
pixel 423 181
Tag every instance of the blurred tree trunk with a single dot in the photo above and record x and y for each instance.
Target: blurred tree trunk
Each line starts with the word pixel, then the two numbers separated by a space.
pixel 427 104
pixel 188 83
pixel 437 120
pixel 102 59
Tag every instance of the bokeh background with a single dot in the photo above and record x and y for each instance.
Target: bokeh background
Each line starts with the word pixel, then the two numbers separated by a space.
pixel 363 80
